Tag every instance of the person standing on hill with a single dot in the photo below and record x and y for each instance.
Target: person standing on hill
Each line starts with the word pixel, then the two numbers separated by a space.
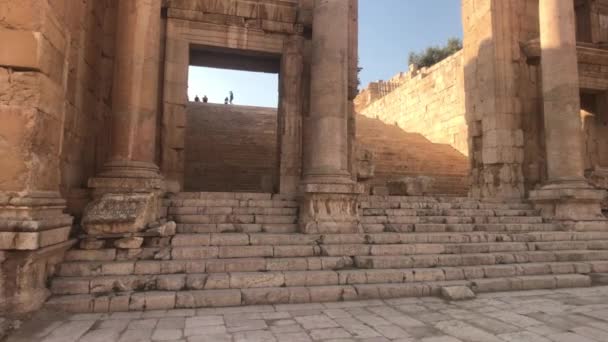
pixel 231 97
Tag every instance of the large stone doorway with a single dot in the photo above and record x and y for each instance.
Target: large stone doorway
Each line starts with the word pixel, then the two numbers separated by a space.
pixel 231 147
pixel 269 161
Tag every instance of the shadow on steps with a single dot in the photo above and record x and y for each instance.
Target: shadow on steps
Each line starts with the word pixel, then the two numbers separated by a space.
pixel 399 154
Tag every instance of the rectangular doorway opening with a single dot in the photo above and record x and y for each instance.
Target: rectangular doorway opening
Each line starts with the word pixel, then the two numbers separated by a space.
pixel 231 125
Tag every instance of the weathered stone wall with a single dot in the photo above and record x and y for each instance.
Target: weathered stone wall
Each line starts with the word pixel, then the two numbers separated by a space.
pixel 428 101
pixel 501 97
pixel 55 71
pixel 55 77
pixel 86 138
pixel 230 148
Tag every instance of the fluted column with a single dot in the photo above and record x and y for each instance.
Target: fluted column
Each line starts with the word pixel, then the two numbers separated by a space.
pixel 135 90
pixel 326 160
pixel 567 196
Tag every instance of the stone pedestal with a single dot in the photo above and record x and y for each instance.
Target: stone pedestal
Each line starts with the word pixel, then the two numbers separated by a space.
pixel 569 202
pixel 567 196
pixel 34 235
pixel 330 208
pixel 123 205
pixel 24 277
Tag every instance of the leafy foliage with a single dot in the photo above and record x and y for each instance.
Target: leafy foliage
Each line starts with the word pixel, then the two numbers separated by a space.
pixel 435 54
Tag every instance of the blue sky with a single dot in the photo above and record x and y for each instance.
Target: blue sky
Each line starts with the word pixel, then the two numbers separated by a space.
pixel 388 31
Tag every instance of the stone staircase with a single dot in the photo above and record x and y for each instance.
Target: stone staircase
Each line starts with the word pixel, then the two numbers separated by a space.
pixel 398 154
pixel 241 249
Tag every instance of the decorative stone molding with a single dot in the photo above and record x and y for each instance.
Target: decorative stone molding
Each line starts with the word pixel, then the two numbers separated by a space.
pixel 330 208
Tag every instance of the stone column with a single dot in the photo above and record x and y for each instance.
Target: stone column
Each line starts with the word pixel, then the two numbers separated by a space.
pixel 290 115
pixel 327 157
pixel 127 192
pixel 135 90
pixel 330 195
pixel 567 195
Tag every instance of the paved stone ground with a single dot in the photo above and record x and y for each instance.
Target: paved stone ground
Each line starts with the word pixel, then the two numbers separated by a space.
pixel 574 315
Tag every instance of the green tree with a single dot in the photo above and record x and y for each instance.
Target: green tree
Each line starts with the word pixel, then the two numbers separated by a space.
pixel 435 54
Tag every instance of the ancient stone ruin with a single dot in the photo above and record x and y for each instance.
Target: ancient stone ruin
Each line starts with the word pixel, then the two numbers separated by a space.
pixel 486 172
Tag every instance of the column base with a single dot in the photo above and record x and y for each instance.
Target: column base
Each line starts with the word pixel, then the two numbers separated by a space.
pixel 127 198
pixel 330 208
pixel 569 201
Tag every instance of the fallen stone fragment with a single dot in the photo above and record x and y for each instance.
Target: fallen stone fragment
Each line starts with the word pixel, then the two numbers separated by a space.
pixel 91 244
pixel 167 229
pixel 129 243
pixel 456 293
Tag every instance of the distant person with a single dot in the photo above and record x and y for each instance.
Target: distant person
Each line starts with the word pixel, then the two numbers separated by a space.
pixel 205 99
pixel 196 99
pixel 226 100
pixel 231 97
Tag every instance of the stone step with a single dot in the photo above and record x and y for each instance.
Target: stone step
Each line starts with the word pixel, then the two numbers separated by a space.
pixel 452 219
pixel 165 300
pixel 271 228
pixel 233 203
pixel 238 219
pixel 244 280
pixel 456 227
pixel 243 239
pixel 140 267
pixel 335 250
pixel 269 251
pixel 231 210
pixel 399 204
pixel 230 195
pixel 476 259
pixel 442 205
pixel 450 212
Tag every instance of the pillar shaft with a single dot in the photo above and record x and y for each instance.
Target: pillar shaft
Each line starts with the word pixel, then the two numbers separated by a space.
pixel 290 115
pixel 130 179
pixel 135 88
pixel 567 197
pixel 561 91
pixel 327 157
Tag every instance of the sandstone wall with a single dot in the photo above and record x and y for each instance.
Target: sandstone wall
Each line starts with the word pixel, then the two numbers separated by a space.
pixel 502 98
pixel 428 101
pixel 55 81
pixel 86 139
pixel 230 148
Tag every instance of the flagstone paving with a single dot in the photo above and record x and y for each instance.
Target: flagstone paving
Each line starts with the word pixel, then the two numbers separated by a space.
pixel 569 315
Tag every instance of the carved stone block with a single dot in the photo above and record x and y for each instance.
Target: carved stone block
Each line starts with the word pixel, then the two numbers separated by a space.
pixel 120 213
